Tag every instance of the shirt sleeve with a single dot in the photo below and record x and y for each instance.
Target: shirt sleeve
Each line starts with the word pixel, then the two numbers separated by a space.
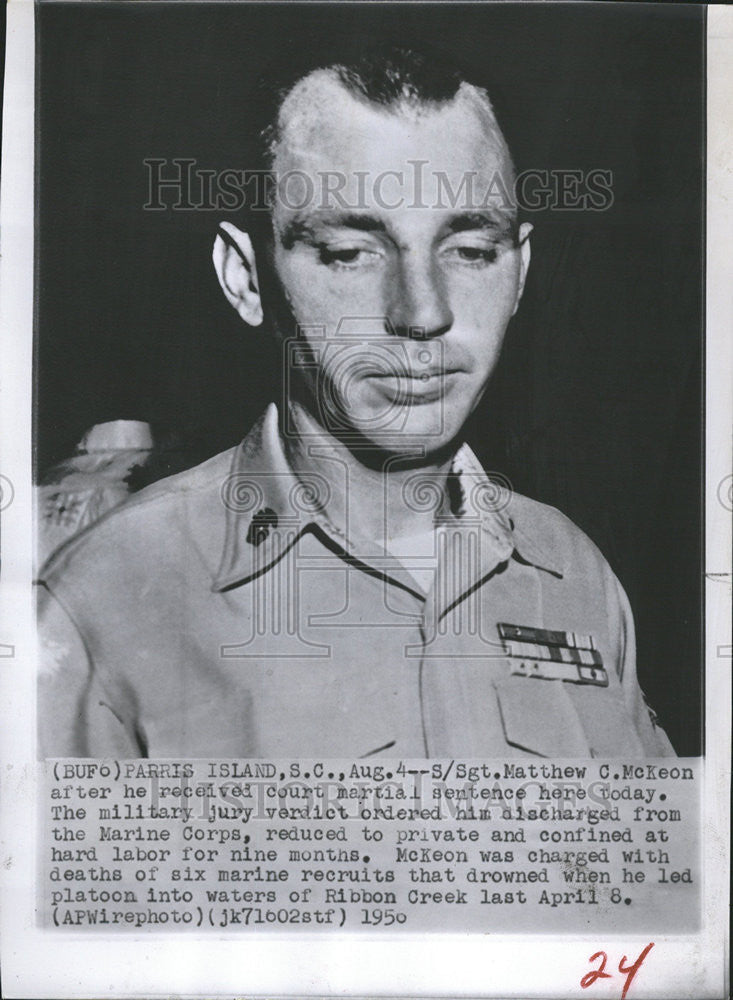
pixel 654 740
pixel 76 713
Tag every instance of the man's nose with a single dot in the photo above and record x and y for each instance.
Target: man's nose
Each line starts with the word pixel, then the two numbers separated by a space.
pixel 418 303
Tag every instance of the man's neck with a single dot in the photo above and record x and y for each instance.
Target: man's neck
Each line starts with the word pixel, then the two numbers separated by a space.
pixel 380 500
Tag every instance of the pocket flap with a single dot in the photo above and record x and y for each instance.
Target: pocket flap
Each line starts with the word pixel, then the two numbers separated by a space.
pixel 539 717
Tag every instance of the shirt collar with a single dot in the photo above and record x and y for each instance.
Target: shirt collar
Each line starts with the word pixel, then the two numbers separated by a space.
pixel 504 515
pixel 267 507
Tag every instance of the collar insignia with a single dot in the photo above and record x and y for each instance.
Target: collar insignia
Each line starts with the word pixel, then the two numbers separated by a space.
pixel 260 526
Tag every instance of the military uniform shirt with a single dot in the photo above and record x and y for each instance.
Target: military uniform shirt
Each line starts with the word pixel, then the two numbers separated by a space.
pixel 221 613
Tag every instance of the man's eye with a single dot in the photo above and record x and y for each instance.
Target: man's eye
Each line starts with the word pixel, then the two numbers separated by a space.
pixel 346 256
pixel 474 255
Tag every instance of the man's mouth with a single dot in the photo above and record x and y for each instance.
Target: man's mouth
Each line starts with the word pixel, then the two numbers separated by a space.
pixel 422 386
pixel 414 375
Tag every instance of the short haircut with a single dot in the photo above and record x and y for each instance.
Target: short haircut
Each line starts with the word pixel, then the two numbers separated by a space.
pixel 385 75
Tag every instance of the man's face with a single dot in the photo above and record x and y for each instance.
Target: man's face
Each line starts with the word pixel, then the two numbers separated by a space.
pixel 398 271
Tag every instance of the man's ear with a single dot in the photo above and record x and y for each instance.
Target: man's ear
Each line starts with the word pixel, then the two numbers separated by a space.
pixel 525 253
pixel 236 269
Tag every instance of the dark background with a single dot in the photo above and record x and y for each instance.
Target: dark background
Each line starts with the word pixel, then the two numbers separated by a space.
pixel 596 406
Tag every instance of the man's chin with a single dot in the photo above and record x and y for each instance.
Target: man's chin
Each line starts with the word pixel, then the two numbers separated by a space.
pixel 414 440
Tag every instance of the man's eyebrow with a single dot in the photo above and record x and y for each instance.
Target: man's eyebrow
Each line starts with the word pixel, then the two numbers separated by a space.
pixel 303 227
pixel 487 221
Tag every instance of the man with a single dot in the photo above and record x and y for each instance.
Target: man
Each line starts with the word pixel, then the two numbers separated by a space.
pixel 348 582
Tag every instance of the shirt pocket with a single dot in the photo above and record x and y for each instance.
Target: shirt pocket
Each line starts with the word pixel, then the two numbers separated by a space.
pixel 539 717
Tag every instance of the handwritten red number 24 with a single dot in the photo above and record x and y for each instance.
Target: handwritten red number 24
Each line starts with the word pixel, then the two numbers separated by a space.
pixel 626 970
